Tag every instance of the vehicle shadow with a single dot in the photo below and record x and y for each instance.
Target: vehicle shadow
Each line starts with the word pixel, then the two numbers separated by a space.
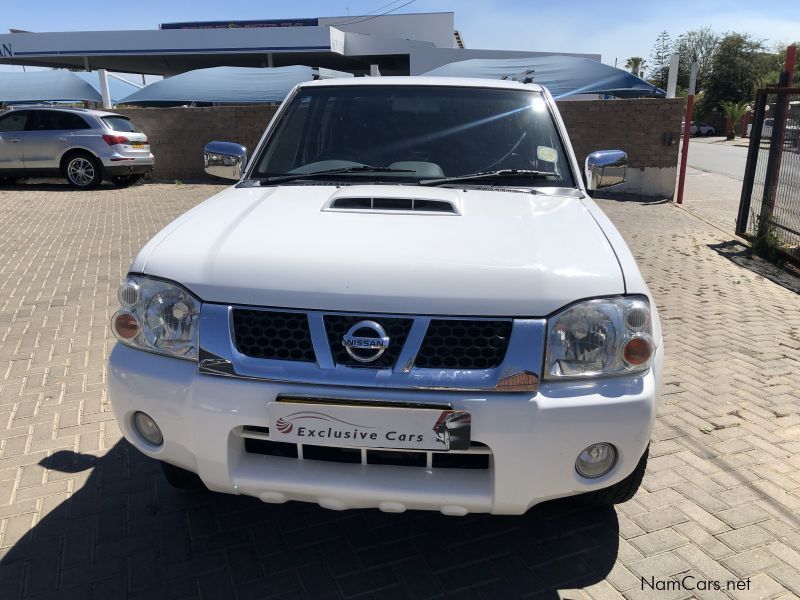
pixel 126 534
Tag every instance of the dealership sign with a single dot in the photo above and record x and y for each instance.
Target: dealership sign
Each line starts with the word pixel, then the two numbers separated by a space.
pixel 369 426
pixel 242 24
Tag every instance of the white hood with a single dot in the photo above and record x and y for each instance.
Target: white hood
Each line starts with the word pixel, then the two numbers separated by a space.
pixel 505 254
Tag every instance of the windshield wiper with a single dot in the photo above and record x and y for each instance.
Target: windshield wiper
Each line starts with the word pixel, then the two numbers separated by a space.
pixel 285 177
pixel 510 173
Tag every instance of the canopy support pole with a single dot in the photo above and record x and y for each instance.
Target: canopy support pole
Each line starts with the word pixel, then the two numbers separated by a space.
pixel 672 77
pixel 103 75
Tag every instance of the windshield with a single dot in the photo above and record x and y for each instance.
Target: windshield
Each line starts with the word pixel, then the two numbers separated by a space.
pixel 421 132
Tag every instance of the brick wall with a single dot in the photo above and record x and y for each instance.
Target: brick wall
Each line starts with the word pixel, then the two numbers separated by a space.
pixel 636 126
pixel 178 135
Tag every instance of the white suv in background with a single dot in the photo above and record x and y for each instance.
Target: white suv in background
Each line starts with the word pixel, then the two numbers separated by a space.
pixel 407 301
pixel 84 146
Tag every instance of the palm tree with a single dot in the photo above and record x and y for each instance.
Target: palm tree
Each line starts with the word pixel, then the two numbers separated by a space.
pixel 636 65
pixel 734 111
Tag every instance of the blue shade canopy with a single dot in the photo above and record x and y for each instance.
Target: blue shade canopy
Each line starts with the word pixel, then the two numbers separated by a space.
pixel 564 76
pixel 59 85
pixel 46 86
pixel 117 88
pixel 227 85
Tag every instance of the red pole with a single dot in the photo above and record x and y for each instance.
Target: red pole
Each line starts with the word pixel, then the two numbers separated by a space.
pixel 791 55
pixel 687 133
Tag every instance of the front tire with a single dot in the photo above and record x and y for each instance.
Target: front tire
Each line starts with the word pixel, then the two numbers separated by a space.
pixel 83 171
pixel 181 478
pixel 622 491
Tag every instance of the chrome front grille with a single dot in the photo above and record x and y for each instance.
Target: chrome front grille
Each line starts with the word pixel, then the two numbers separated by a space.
pixel 422 352
pixel 273 335
pixel 464 344
pixel 447 344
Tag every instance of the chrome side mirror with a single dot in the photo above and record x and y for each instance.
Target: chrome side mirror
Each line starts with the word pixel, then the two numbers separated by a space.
pixel 225 159
pixel 605 168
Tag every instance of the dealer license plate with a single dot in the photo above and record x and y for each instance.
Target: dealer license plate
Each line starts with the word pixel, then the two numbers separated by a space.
pixel 369 426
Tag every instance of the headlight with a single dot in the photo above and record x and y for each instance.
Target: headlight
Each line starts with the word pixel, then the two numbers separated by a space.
pixel 157 316
pixel 607 336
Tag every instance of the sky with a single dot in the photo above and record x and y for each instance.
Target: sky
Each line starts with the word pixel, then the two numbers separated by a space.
pixel 614 29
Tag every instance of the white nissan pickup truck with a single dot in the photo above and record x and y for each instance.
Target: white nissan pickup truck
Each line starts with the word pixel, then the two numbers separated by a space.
pixel 408 300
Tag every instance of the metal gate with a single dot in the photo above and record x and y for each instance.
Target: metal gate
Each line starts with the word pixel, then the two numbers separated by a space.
pixel 769 209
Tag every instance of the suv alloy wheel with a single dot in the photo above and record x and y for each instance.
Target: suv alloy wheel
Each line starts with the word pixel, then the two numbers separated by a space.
pixel 83 171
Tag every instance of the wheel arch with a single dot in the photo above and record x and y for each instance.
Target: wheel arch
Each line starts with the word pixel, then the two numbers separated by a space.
pixel 62 163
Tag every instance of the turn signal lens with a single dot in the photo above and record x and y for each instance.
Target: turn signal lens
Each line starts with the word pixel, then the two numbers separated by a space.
pixel 125 325
pixel 637 351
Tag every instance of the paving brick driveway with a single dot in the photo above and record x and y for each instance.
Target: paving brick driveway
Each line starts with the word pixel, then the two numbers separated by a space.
pixel 83 515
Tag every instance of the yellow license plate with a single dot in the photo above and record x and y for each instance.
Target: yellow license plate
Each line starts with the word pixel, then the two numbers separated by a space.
pixel 138 145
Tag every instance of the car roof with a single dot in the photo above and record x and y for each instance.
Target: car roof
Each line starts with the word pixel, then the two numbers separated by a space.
pixel 426 81
pixel 96 113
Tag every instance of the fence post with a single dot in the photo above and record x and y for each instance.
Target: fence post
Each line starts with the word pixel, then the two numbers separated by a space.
pixel 776 145
pixel 773 168
pixel 752 162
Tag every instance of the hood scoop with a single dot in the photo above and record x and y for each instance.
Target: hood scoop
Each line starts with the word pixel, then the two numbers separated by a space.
pixel 393 205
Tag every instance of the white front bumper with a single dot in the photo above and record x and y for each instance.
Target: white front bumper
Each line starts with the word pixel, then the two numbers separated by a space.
pixel 534 439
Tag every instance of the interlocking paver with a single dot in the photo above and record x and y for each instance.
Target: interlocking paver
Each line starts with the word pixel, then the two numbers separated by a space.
pixel 658 541
pixel 751 562
pixel 659 518
pixel 741 516
pixel 788 577
pixel 83 514
pixel 704 540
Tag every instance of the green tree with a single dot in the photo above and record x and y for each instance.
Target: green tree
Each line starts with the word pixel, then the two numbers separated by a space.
pixel 733 111
pixel 659 60
pixel 636 65
pixel 734 71
pixel 771 65
pixel 697 45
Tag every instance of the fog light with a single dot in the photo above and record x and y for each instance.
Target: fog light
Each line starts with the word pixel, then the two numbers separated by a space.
pixel 596 460
pixel 147 428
